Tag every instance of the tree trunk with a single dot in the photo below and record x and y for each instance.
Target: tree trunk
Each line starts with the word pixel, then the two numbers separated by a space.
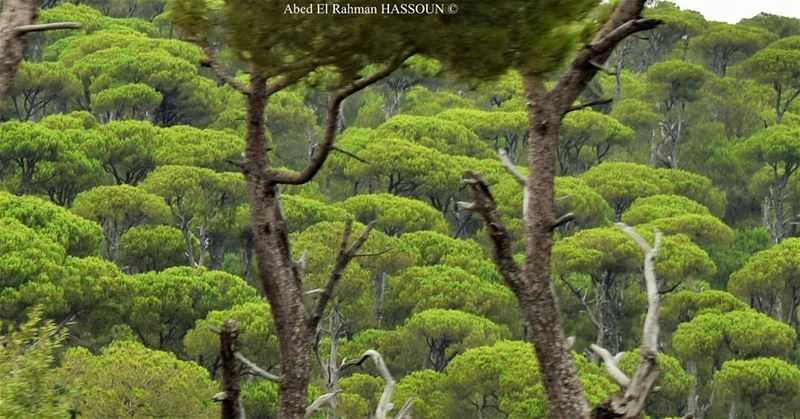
pixel 537 300
pixel 278 274
pixel 231 385
pixel 15 13
pixel 380 297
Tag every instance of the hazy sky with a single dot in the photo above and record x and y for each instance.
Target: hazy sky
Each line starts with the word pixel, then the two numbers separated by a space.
pixel 734 10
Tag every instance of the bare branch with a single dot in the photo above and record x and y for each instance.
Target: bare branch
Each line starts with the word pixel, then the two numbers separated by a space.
pixel 319 402
pixel 632 402
pixel 405 411
pixel 603 68
pixel 256 370
pixel 346 254
pixel 211 63
pixel 485 206
pixel 510 166
pixel 349 154
pixel 590 104
pixel 315 291
pixel 24 29
pixel 562 220
pixel 373 254
pixel 611 366
pixel 299 178
pixel 384 404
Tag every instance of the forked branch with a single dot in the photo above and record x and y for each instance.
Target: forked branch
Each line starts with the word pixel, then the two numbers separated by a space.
pixel 385 403
pixel 256 370
pixel 343 258
pixel 332 124
pixel 485 205
pixel 631 402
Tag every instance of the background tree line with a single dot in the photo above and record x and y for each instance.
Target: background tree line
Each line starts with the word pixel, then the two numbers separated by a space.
pixel 127 226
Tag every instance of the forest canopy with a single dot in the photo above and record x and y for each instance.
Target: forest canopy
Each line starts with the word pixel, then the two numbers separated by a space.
pixel 209 208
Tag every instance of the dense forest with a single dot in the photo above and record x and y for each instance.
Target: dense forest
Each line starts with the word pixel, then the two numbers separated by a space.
pixel 213 207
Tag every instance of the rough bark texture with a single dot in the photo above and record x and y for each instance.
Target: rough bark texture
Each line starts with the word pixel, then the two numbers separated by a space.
pixel 231 385
pixel 280 277
pixel 531 284
pixel 278 274
pixel 536 298
pixel 15 13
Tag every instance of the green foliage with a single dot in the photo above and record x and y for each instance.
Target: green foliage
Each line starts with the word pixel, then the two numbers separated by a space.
pixel 417 289
pixel 256 335
pixel 622 183
pixel 505 375
pixel 152 248
pixel 586 138
pixel 127 379
pixel 76 235
pixel 682 306
pixel 39 85
pixel 27 355
pixel 780 25
pixel 673 382
pixel 722 44
pixel 767 274
pixel 713 337
pixel 661 206
pixel 431 338
pixel 395 215
pixel 770 386
pixel 163 306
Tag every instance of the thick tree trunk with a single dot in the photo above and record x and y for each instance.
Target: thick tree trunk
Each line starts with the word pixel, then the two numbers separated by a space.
pixel 15 13
pixel 537 300
pixel 278 274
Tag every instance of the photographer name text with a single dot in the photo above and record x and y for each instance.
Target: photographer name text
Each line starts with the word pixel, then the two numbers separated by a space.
pixel 383 9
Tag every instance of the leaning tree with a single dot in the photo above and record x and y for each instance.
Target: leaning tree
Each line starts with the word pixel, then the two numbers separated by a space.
pixel 547 106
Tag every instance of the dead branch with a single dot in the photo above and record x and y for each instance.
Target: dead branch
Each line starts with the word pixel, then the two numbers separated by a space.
pixel 510 167
pixel 603 68
pixel 385 403
pixel 315 291
pixel 25 29
pixel 611 366
pixel 562 220
pixel 405 411
pixel 590 104
pixel 319 402
pixel 345 255
pixel 255 369
pixel 631 403
pixel 349 154
pixel 485 206
pixel 331 127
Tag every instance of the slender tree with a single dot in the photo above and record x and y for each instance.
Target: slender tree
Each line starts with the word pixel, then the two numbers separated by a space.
pixel 531 282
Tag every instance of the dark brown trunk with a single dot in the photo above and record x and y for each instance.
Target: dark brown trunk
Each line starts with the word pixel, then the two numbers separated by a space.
pixel 231 385
pixel 537 299
pixel 277 272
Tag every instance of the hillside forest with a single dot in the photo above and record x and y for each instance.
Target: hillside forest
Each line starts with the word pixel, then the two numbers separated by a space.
pixel 525 209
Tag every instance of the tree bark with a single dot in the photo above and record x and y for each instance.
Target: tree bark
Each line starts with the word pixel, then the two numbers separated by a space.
pixel 531 284
pixel 15 13
pixel 537 299
pixel 231 385
pixel 278 275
